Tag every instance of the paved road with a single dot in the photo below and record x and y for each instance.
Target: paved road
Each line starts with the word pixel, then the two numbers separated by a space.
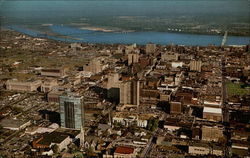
pixel 149 146
pixel 225 105
pixel 224 92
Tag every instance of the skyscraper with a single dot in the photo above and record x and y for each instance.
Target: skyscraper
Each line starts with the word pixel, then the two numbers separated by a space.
pixel 71 111
pixel 113 87
pixel 133 58
pixel 130 92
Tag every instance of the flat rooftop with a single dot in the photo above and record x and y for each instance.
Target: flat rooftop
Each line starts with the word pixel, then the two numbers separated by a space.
pixel 12 123
pixel 212 110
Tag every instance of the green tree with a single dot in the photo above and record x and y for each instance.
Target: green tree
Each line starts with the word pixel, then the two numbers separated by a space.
pixel 152 124
pixel 90 152
pixel 55 148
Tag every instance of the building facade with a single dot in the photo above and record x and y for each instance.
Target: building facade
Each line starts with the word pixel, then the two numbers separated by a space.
pixel 212 114
pixel 71 111
pixel 195 65
pixel 48 85
pixel 133 58
pixel 150 48
pixel 169 56
pixel 212 133
pixel 57 72
pixel 95 66
pixel 28 86
pixel 130 92
pixel 175 107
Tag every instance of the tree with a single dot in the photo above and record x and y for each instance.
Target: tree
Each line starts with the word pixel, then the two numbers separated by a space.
pixel 1 127
pixel 90 152
pixel 55 148
pixel 152 124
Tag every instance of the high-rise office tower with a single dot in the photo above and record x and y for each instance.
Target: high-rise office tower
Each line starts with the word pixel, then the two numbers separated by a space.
pixel 113 87
pixel 71 111
pixel 130 92
pixel 133 58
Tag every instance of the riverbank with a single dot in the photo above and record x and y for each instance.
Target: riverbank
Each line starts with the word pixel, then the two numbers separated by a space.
pixel 72 34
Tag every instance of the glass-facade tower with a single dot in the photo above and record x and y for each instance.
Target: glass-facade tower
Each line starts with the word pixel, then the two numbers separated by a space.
pixel 71 111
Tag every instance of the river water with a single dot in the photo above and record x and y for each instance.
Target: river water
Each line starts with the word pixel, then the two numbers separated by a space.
pixel 129 21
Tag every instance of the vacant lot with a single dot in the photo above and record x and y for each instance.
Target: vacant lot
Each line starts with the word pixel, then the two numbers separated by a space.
pixel 236 89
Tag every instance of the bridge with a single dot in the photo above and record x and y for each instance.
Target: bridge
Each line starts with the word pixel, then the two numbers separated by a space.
pixel 224 39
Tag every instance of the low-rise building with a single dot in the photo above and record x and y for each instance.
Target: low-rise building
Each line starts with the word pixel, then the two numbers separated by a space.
pixel 212 133
pixel 124 152
pixel 48 85
pixel 13 124
pixel 175 107
pixel 170 56
pixel 28 86
pixel 212 114
pixel 127 119
pixel 198 150
pixel 47 140
pixel 53 96
pixel 53 72
pixel 204 149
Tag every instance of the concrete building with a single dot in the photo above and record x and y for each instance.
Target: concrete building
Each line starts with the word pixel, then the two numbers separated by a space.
pixel 195 65
pixel 165 95
pixel 212 114
pixel 53 96
pixel 71 111
pixel 48 85
pixel 177 64
pixel 204 149
pixel 55 72
pixel 128 119
pixel 113 87
pixel 212 133
pixel 130 92
pixel 113 81
pixel 13 124
pixel 28 86
pixel 131 48
pixel 95 66
pixel 198 150
pixel 150 48
pixel 124 152
pixel 175 107
pixel 170 56
pixel 47 140
pixel 133 58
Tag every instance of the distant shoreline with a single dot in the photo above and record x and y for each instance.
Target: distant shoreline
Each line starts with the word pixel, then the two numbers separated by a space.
pixel 141 38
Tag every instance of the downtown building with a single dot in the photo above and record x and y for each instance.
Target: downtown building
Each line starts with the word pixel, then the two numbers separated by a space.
pixel 130 92
pixel 71 111
pixel 28 86
pixel 195 65
pixel 150 48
